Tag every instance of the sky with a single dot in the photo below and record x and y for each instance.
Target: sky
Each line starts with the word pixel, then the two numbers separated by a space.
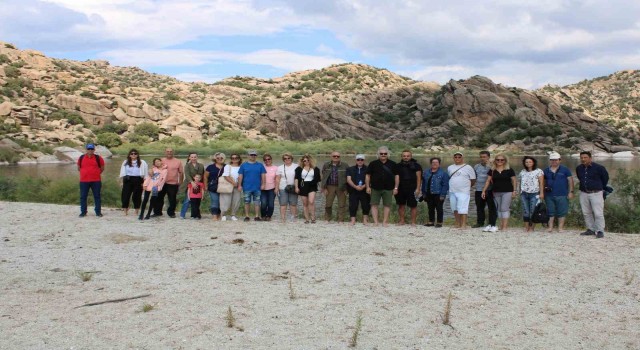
pixel 517 43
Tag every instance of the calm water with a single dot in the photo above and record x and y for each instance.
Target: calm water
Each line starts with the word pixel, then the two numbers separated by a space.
pixel 53 171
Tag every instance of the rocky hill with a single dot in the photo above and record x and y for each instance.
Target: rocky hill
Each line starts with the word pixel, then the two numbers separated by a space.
pixel 52 101
pixel 613 100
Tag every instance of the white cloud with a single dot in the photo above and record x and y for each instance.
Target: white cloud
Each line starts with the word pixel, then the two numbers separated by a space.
pixel 286 60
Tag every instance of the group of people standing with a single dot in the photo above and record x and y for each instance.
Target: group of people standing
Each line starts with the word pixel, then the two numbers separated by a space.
pixel 258 184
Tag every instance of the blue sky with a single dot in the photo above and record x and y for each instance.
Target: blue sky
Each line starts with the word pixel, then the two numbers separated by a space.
pixel 518 43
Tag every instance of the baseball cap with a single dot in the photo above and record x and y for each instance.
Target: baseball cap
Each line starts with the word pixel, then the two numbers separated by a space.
pixel 460 153
pixel 91 146
pixel 252 152
pixel 360 156
pixel 554 155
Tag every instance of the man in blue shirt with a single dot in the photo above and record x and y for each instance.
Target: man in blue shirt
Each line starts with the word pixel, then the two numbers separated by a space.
pixel 559 189
pixel 251 177
pixel 593 179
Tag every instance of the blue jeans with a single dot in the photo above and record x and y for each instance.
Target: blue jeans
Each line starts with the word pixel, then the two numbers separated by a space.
pixel 95 187
pixel 267 200
pixel 529 201
pixel 185 205
pixel 252 195
pixel 214 207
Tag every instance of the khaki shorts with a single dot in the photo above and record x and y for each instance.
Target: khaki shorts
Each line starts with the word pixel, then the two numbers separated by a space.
pixel 386 195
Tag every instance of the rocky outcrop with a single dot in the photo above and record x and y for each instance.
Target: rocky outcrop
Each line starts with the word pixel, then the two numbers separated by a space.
pixel 92 111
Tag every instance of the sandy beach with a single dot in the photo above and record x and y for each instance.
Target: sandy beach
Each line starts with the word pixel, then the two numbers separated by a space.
pixel 297 286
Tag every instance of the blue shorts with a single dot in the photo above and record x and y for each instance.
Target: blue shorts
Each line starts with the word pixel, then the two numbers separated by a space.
pixel 252 194
pixel 557 206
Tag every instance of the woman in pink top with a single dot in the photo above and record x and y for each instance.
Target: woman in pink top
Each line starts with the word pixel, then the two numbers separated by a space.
pixel 268 190
pixel 152 186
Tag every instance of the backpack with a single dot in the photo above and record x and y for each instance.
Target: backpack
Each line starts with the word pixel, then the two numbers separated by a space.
pixel 82 157
pixel 540 215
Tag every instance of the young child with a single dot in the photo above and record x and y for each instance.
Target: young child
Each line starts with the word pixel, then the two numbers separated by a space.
pixel 152 185
pixel 195 195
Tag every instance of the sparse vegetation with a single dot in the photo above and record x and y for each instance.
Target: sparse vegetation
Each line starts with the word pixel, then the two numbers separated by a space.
pixel 146 307
pixel 231 320
pixel 446 314
pixel 85 276
pixel 353 341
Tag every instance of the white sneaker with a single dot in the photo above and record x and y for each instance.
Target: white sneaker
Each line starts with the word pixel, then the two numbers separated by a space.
pixel 487 229
pixel 224 218
pixel 234 218
pixel 493 229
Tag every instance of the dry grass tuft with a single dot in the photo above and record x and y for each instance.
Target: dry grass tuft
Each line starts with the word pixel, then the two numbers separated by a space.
pixel 85 276
pixel 628 277
pixel 446 315
pixel 146 307
pixel 238 241
pixel 231 320
pixel 292 293
pixel 353 342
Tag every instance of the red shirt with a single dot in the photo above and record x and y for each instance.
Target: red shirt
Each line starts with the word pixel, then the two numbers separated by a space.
pixel 193 193
pixel 89 169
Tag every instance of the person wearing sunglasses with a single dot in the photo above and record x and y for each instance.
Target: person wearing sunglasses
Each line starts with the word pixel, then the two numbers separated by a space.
pixel 501 182
pixel 230 202
pixel 132 174
pixel 306 181
pixel 382 184
pixel 251 178
pixel 334 184
pixel 285 178
pixel 268 192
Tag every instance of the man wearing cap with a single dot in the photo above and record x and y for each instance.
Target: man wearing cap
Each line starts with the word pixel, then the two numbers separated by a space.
pixel 90 166
pixel 461 178
pixel 593 179
pixel 559 189
pixel 171 186
pixel 334 184
pixel 251 177
pixel 356 177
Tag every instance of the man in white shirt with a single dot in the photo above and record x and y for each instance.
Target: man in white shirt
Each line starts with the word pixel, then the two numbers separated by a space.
pixel 461 178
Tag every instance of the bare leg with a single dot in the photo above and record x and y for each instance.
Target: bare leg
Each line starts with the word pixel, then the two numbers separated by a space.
pixel 353 221
pixel 256 208
pixel 550 229
pixel 400 215
pixel 283 213
pixel 374 213
pixel 294 211
pixel 305 208
pixel 463 221
pixel 504 223
pixel 312 205
pixel 365 219
pixel 560 224
pixel 246 209
pixel 414 216
pixel 385 216
pixel 457 217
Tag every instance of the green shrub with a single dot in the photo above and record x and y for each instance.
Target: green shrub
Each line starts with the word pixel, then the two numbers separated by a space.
pixel 147 129
pixel 109 139
pixel 11 72
pixel 9 155
pixel 89 94
pixel 173 140
pixel 71 117
pixel 117 128
pixel 4 59
pixel 9 46
pixel 171 96
pixel 139 139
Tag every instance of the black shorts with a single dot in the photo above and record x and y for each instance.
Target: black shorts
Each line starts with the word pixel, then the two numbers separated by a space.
pixel 406 197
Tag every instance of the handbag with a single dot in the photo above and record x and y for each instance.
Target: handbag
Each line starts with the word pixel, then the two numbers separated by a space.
pixel 287 188
pixel 224 187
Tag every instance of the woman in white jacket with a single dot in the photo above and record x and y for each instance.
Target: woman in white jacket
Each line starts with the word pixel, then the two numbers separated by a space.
pixel 132 174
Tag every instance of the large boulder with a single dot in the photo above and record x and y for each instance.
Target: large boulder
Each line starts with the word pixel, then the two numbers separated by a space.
pixel 5 108
pixel 67 154
pixel 92 111
pixel 103 151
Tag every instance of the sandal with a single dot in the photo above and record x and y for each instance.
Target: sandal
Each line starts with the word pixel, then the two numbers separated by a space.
pixel 313 221
pixel 306 221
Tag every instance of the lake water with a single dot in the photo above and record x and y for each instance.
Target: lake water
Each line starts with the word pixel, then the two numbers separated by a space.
pixel 53 171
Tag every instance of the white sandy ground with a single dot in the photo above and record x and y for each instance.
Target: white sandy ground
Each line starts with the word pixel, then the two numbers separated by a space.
pixel 511 290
